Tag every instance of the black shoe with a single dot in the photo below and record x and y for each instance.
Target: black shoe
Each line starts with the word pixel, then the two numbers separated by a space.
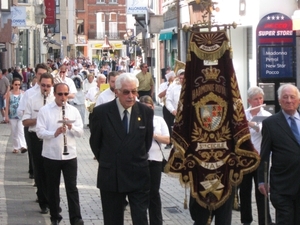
pixel 44 210
pixel 31 176
pixel 54 222
pixel 78 222
pixel 23 150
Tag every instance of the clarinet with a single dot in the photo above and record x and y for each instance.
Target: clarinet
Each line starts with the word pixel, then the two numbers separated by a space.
pixel 65 138
pixel 45 97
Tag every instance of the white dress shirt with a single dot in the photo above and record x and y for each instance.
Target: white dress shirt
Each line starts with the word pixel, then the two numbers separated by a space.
pixel 87 85
pixel 91 95
pixel 23 101
pixel 160 128
pixel 71 85
pixel 33 105
pixel 256 136
pixel 173 95
pixel 105 96
pixel 47 124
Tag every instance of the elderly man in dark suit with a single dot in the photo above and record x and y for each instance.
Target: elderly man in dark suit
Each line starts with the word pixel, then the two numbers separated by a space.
pixel 281 140
pixel 121 136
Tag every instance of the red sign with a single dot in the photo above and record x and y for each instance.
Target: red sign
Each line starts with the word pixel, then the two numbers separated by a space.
pixel 50 12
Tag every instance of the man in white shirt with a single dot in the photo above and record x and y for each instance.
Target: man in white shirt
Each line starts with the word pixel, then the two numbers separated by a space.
pixel 59 152
pixel 79 99
pixel 94 92
pixel 108 94
pixel 32 108
pixel 63 71
pixel 39 70
pixel 173 93
pixel 168 116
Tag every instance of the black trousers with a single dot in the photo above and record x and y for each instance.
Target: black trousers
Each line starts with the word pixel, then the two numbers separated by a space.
pixel 287 208
pixel 169 118
pixel 155 214
pixel 246 200
pixel 39 172
pixel 222 215
pixel 28 142
pixel 113 206
pixel 53 170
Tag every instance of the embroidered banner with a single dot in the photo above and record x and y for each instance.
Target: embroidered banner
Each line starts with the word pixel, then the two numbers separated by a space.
pixel 212 146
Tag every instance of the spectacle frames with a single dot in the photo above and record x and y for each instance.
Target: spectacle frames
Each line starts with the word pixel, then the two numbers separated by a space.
pixel 127 92
pixel 61 94
pixel 62 71
pixel 46 85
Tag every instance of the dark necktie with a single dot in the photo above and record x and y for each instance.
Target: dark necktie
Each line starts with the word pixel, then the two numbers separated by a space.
pixel 295 128
pixel 125 120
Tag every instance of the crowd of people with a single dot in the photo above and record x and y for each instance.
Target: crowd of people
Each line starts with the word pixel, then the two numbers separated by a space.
pixel 62 98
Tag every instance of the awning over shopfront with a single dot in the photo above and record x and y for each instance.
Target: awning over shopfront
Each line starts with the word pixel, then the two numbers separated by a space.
pixel 167 34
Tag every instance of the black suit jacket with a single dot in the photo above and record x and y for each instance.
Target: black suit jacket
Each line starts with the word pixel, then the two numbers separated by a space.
pixel 122 157
pixel 279 141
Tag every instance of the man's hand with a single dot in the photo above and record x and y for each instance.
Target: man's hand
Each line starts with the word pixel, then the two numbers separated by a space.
pixel 264 189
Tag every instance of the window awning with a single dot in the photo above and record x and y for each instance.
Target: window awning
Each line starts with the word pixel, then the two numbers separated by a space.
pixel 167 34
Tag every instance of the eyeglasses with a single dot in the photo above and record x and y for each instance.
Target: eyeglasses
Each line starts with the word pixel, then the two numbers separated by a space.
pixel 61 94
pixel 46 85
pixel 127 92
pixel 62 71
pixel 17 84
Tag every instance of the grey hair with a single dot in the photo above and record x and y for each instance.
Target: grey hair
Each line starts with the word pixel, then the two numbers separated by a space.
pixel 252 91
pixel 101 76
pixel 287 86
pixel 125 77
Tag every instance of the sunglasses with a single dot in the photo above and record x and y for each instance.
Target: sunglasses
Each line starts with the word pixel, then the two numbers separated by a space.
pixel 127 92
pixel 46 85
pixel 62 71
pixel 61 94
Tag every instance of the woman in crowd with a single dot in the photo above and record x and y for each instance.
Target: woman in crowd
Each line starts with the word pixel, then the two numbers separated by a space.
pixel 12 102
pixel 160 136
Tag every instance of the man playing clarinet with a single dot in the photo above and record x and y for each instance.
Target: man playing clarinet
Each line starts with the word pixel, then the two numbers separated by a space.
pixel 59 151
pixel 33 105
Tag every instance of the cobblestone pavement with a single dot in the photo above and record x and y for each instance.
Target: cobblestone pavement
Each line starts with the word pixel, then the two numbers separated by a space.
pixel 17 194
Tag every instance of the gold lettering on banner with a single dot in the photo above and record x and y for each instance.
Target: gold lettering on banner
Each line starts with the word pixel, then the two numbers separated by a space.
pixel 212 165
pixel 215 145
pixel 217 88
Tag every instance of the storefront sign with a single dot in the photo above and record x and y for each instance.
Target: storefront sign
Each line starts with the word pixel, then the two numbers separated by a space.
pixel 275 28
pixel 276 62
pixel 137 7
pixel 18 16
pixel 113 45
pixel 276 47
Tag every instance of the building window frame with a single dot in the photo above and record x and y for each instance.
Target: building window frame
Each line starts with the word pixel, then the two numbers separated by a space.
pixel 57 6
pixel 55 29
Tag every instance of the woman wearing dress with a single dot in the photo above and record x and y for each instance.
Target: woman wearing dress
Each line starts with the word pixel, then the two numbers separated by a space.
pixel 160 136
pixel 17 130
